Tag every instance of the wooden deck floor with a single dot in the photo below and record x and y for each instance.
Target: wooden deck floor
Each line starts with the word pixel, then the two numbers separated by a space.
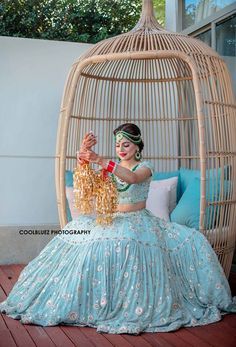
pixel 13 333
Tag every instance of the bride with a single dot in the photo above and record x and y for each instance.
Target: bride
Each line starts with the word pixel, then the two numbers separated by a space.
pixel 139 274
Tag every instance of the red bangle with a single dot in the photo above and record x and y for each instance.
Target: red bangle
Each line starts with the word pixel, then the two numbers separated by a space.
pixel 111 166
pixel 104 174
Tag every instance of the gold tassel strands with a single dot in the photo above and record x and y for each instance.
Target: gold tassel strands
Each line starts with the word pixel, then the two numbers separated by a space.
pixel 106 198
pixel 95 190
pixel 83 181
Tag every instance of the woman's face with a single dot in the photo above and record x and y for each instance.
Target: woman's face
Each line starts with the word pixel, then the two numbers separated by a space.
pixel 125 149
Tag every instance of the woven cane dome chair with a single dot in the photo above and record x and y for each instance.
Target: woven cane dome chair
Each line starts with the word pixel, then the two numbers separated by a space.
pixel 178 91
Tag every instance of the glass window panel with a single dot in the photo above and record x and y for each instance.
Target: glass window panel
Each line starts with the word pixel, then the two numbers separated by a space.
pixel 194 11
pixel 226 37
pixel 226 44
pixel 205 37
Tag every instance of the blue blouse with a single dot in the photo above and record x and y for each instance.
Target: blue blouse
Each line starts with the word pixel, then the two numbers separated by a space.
pixel 137 191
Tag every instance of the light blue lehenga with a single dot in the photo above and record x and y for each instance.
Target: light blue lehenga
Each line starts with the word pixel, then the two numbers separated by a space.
pixel 140 274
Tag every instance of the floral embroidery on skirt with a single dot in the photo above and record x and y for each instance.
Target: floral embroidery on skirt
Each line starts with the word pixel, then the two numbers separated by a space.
pixel 138 274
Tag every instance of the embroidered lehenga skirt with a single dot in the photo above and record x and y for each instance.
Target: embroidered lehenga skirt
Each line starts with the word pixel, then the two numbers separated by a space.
pixel 140 274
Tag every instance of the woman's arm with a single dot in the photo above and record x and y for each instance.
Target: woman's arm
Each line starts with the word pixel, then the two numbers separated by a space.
pixel 123 173
pixel 127 175
pixel 88 142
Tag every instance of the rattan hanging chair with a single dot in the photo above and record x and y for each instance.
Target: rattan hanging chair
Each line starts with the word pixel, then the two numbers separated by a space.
pixel 178 91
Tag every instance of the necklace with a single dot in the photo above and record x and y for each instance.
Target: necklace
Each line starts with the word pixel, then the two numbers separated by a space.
pixel 122 186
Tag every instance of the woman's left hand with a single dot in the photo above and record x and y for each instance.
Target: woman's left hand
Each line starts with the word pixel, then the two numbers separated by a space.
pixel 88 141
pixel 89 155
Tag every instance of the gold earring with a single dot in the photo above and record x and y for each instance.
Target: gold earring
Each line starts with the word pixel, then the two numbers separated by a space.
pixel 138 156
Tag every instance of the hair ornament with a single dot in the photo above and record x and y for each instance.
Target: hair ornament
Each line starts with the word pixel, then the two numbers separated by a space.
pixel 132 138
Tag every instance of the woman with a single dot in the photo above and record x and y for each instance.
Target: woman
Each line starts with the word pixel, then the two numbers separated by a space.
pixel 138 274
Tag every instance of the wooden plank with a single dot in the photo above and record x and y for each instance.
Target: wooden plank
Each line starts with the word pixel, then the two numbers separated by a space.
pixel 12 323
pixel 17 269
pixel 230 319
pixel 3 325
pixel 6 339
pixel 117 340
pixel 58 337
pixel 139 340
pixel 39 336
pixel 12 271
pixel 228 329
pixel 16 328
pixel 214 334
pixel 8 270
pixel 76 336
pixel 2 294
pixel 154 339
pixel 18 331
pixel 21 266
pixel 8 321
pixel 192 339
pixel 98 339
pixel 215 337
pixel 5 283
pixel 5 320
pixel 22 338
pixel 174 339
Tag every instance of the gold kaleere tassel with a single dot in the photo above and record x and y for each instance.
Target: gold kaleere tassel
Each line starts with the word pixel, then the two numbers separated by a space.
pixel 106 198
pixel 83 181
pixel 95 191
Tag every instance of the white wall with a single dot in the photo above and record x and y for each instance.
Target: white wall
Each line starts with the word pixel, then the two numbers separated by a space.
pixel 32 78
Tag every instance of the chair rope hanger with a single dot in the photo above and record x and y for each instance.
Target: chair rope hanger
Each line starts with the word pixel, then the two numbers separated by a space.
pixel 179 92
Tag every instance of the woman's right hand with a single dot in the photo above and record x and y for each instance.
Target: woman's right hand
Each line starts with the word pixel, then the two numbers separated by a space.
pixel 79 159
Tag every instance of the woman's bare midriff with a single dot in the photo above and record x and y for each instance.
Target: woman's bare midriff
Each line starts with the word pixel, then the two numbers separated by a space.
pixel 131 207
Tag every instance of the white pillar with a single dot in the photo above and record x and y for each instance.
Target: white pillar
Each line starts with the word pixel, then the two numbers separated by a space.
pixel 173 15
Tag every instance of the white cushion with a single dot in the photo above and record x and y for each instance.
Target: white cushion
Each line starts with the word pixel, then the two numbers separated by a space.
pixel 171 184
pixel 159 193
pixel 158 201
pixel 70 197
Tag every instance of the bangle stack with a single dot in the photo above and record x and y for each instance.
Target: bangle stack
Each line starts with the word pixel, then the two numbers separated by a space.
pixel 82 161
pixel 111 166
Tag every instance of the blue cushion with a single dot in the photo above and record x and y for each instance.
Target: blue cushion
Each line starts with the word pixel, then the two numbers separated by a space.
pixel 186 176
pixel 68 214
pixel 187 212
pixel 164 175
pixel 69 178
pixel 69 183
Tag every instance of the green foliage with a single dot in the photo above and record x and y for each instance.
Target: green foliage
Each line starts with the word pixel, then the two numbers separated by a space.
pixel 159 8
pixel 71 20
